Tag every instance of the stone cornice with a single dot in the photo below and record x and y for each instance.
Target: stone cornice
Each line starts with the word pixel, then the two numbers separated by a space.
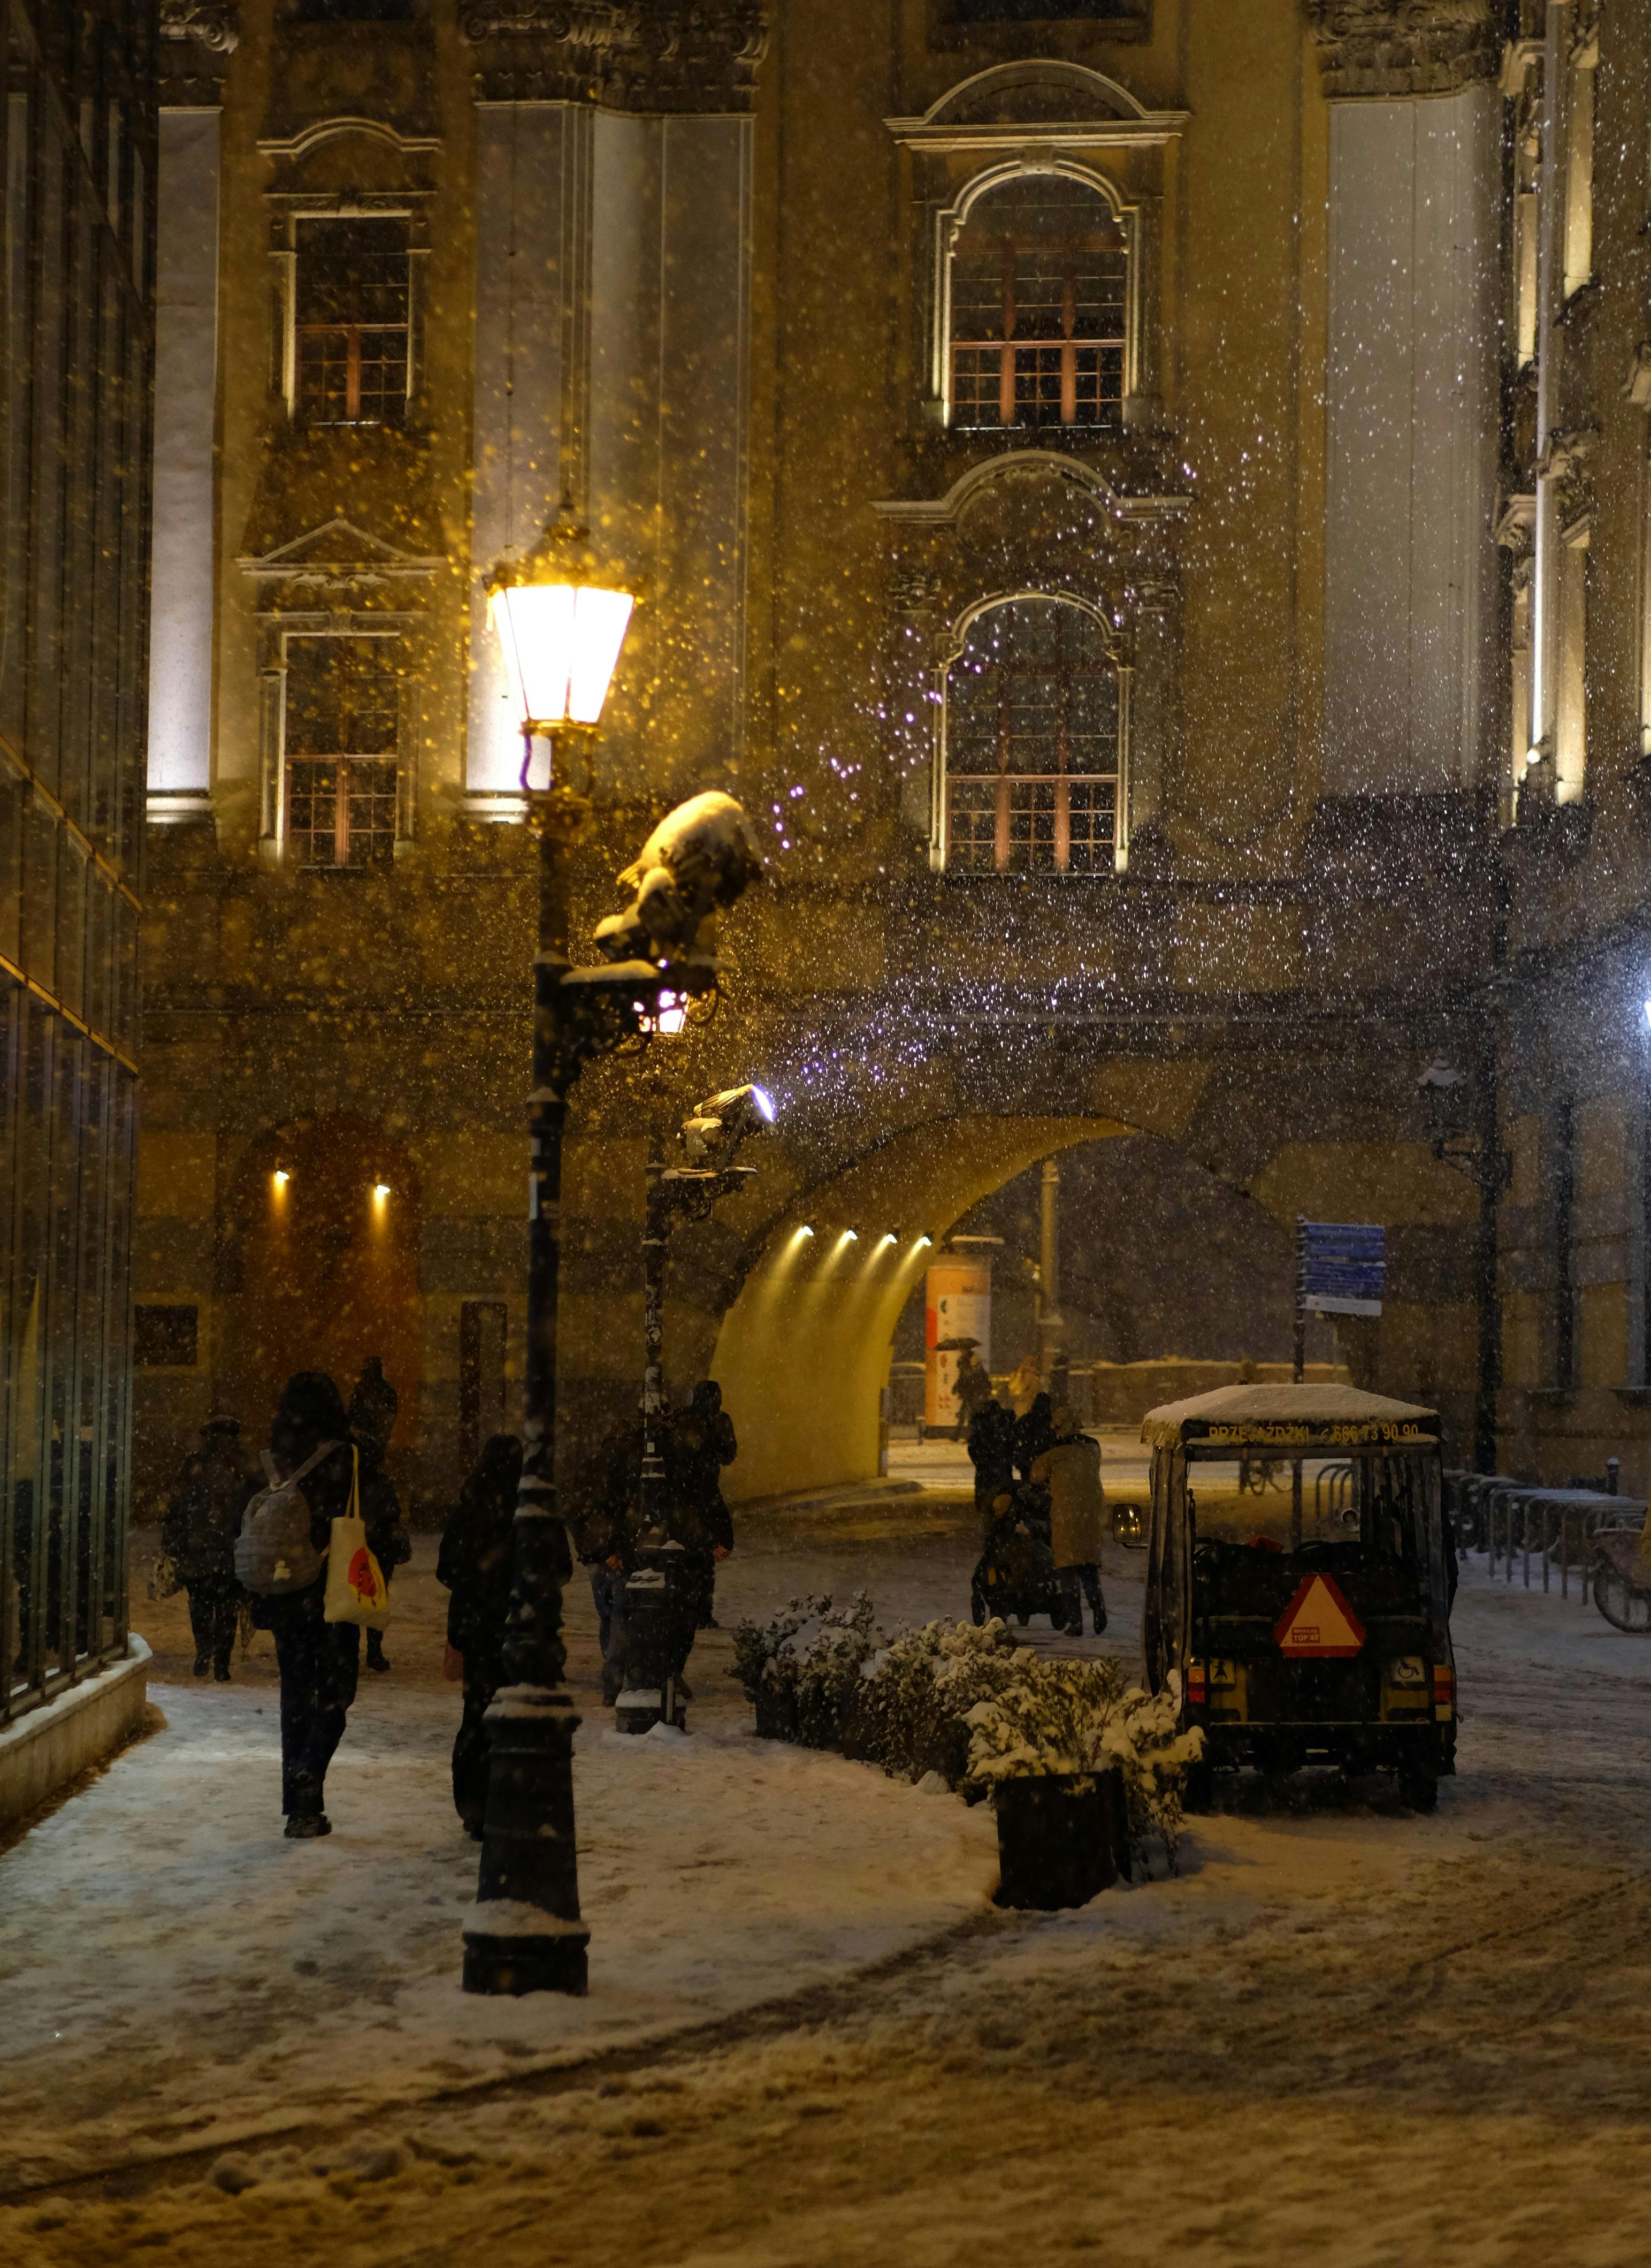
pixel 197 39
pixel 1388 48
pixel 677 56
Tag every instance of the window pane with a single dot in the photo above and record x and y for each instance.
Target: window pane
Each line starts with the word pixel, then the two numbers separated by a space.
pixel 1041 260
pixel 351 312
pixel 1031 721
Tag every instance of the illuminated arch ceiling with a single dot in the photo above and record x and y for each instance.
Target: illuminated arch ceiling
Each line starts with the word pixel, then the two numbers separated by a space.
pixel 806 1343
pixel 802 1354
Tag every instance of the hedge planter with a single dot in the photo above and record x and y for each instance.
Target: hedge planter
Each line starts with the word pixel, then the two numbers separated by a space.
pixel 1061 1838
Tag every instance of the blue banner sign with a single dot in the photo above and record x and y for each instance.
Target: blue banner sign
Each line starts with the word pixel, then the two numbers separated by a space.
pixel 1342 1267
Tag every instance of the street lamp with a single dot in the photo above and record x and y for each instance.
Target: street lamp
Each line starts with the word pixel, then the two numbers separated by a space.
pixel 710 1139
pixel 560 625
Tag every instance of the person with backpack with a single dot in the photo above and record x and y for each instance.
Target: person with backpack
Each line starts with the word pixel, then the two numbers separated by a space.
pixel 214 1486
pixel 475 1565
pixel 280 1560
pixel 372 1415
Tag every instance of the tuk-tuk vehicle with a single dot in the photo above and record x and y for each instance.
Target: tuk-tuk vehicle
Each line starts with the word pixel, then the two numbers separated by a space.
pixel 1298 1583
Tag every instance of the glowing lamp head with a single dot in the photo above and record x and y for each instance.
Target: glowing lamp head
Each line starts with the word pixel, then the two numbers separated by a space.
pixel 381 1191
pixel 806 1230
pixel 281 1177
pixel 762 1102
pixel 559 623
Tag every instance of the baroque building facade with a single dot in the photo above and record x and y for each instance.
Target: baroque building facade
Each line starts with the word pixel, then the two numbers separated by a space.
pixel 1066 451
pixel 76 286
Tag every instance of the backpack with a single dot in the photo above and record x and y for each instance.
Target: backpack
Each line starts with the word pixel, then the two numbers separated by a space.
pixel 273 1552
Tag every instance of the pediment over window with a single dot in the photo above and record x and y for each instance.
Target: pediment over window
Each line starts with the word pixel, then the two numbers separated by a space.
pixel 1041 96
pixel 339 547
pixel 1019 470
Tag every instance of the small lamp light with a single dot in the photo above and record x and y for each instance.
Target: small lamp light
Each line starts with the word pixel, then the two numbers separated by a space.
pixel 381 1190
pixel 281 1177
pixel 559 623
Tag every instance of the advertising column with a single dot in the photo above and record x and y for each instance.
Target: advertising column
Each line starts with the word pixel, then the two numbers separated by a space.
pixel 959 1312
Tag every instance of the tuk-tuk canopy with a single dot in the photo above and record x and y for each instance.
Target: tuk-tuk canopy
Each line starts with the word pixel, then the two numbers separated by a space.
pixel 1263 1418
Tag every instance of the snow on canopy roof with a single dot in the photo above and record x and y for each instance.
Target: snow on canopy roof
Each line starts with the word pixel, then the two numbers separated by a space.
pixel 1268 1413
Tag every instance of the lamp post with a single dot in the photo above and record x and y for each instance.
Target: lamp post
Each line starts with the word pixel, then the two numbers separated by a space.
pixel 710 1138
pixel 560 625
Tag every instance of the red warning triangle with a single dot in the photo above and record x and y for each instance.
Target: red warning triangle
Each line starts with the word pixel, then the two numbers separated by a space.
pixel 1318 1624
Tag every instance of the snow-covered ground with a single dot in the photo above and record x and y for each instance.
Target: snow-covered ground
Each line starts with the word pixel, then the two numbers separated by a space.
pixel 1344 2034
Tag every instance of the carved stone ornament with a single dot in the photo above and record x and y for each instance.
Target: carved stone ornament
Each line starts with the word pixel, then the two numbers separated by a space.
pixel 197 39
pixel 1405 47
pixel 211 22
pixel 670 55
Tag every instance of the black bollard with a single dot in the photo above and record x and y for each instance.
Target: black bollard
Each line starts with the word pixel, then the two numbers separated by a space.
pixel 659 1620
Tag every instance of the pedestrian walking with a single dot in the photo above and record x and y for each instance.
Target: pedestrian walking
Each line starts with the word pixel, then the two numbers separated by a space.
pixel 373 1406
pixel 214 1486
pixel 1034 1435
pixel 992 1453
pixel 700 1440
pixel 311 1455
pixel 475 1565
pixel 1070 1469
pixel 971 1386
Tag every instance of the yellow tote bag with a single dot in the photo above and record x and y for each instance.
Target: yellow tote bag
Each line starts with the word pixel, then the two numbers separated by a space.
pixel 355 1589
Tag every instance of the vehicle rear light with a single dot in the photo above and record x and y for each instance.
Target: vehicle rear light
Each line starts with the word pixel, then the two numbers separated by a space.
pixel 1443 1689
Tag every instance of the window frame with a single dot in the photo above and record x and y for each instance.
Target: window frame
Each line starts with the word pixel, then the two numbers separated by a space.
pixel 394 628
pixel 940 817
pixel 951 219
pixel 291 212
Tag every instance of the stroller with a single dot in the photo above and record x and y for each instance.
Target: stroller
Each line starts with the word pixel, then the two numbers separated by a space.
pixel 1015 1573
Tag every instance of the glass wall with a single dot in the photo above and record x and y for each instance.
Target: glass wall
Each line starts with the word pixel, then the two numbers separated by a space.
pixel 78 130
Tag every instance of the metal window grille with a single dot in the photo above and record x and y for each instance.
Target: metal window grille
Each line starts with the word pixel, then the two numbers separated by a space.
pixel 343 706
pixel 350 313
pixel 1032 744
pixel 1040 282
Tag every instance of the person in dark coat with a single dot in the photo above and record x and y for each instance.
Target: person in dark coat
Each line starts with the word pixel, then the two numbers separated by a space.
pixel 700 1440
pixel 372 1415
pixel 318 1661
pixel 992 1453
pixel 475 1565
pixel 1034 1435
pixel 214 1484
pixel 971 1386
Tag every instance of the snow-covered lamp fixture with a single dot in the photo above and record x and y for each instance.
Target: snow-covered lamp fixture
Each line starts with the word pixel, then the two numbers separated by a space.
pixel 560 622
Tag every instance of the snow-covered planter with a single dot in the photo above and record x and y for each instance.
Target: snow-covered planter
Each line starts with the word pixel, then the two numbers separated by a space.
pixel 919 1691
pixel 1073 1720
pixel 803 1672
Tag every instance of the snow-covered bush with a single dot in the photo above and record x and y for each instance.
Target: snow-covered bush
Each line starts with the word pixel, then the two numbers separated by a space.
pixel 1080 1717
pixel 803 1671
pixel 918 1692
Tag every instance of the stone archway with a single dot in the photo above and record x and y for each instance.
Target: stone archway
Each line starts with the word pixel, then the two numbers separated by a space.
pixel 802 1350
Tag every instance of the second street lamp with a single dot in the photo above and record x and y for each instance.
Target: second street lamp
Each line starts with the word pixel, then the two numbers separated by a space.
pixel 561 625
pixel 710 1139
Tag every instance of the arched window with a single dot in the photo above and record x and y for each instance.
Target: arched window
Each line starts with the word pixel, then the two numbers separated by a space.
pixel 1039 280
pixel 1031 720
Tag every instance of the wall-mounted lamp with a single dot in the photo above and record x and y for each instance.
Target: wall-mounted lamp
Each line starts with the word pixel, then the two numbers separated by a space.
pixel 806 1230
pixel 381 1190
pixel 923 1241
pixel 281 1177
